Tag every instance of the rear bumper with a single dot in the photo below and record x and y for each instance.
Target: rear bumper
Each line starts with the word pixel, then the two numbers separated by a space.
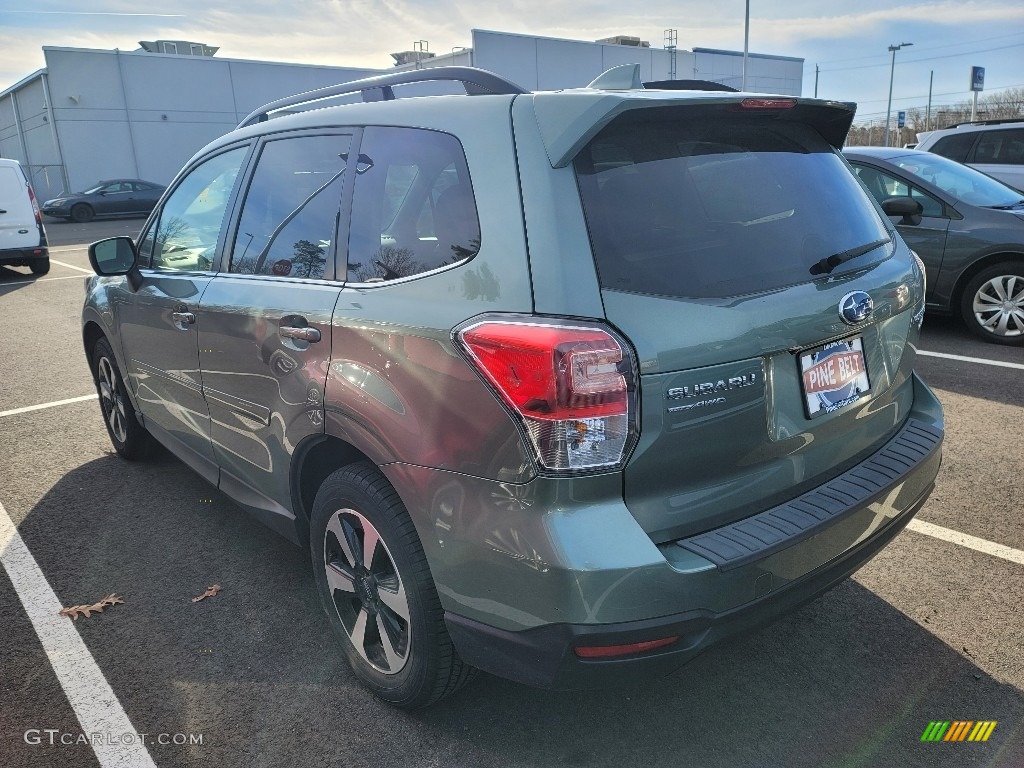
pixel 731 579
pixel 544 657
pixel 23 257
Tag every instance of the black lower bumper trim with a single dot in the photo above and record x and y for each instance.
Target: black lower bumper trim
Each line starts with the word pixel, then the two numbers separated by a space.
pixel 775 529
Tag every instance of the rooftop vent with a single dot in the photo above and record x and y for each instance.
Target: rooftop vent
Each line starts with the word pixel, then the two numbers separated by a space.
pixel 178 47
pixel 635 42
pixel 411 57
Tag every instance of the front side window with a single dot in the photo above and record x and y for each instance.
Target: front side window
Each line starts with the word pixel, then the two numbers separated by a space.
pixel 960 181
pixel 186 234
pixel 685 203
pixel 290 216
pixel 413 208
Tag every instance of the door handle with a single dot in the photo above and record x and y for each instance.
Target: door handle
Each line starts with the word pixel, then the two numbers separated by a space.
pixel 301 334
pixel 183 318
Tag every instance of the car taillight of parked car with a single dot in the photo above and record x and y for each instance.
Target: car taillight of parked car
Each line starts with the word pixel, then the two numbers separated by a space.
pixel 35 206
pixel 571 387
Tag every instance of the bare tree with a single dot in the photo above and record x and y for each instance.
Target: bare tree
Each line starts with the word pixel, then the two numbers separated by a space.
pixel 1007 104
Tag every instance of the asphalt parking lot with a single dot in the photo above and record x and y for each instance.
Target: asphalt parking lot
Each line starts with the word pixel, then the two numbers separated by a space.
pixel 931 630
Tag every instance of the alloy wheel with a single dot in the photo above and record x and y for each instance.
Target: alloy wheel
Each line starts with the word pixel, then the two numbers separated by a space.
pixel 367 591
pixel 112 401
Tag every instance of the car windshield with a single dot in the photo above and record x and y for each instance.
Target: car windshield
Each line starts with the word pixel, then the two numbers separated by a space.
pixel 963 183
pixel 686 206
pixel 94 188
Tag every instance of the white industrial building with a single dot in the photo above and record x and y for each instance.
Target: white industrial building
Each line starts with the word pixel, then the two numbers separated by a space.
pixel 95 114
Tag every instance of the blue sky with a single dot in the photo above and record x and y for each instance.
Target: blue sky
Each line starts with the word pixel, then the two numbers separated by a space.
pixel 848 42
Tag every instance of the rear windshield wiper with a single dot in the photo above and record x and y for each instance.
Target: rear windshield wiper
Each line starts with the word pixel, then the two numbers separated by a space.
pixel 829 263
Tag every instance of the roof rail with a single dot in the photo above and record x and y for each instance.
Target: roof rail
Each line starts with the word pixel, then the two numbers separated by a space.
pixel 475 81
pixel 997 121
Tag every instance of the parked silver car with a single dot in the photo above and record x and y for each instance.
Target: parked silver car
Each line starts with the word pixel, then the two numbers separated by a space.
pixel 995 147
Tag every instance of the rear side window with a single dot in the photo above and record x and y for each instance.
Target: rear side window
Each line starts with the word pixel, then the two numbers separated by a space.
pixel 720 207
pixel 413 208
pixel 1004 147
pixel 289 219
pixel 956 146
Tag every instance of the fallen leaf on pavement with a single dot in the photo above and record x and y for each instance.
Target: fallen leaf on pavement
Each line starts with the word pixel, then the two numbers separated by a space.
pixel 210 592
pixel 88 610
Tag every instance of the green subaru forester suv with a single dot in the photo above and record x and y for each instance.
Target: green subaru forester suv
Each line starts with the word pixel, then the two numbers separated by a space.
pixel 564 386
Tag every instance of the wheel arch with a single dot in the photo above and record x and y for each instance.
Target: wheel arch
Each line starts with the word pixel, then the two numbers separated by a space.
pixel 978 266
pixel 315 458
pixel 91 333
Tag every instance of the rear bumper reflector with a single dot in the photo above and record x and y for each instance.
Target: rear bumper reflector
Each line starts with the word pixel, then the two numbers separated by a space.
pixel 611 651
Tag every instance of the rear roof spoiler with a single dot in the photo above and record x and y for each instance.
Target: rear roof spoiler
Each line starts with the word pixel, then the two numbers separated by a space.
pixel 568 120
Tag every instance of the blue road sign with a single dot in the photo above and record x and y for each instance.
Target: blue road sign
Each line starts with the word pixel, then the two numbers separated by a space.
pixel 977 78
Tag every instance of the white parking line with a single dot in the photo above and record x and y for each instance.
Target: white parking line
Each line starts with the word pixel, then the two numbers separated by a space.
pixel 966 540
pixel 41 280
pixel 979 360
pixel 41 406
pixel 72 266
pixel 95 704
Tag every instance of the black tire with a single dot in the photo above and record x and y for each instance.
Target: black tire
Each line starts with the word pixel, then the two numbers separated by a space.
pixel 130 438
pixel 419 666
pixel 40 266
pixel 992 305
pixel 80 212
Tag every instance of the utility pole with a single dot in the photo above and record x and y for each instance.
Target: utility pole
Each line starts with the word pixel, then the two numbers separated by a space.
pixel 746 45
pixel 816 71
pixel 892 72
pixel 928 114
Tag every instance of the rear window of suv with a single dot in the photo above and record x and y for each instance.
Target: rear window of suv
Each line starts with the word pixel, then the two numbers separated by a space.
pixel 709 208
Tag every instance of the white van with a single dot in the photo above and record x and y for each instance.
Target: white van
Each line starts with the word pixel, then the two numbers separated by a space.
pixel 22 237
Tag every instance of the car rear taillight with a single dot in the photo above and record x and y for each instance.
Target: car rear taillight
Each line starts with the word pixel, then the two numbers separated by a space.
pixel 35 206
pixel 570 385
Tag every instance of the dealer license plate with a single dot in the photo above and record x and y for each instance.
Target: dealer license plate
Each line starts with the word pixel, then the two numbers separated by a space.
pixel 834 376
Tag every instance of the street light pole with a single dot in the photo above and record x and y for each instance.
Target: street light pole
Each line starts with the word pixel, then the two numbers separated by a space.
pixel 892 72
pixel 746 46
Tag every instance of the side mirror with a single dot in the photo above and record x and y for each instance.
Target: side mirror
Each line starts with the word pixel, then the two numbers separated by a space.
pixel 116 256
pixel 906 207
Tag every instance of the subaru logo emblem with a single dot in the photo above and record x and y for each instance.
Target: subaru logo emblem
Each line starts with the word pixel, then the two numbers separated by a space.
pixel 855 307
